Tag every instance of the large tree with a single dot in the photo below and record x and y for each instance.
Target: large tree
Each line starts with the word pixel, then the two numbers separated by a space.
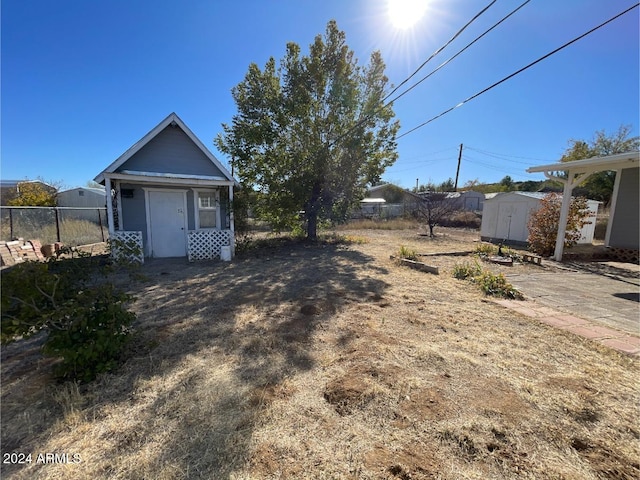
pixel 311 133
pixel 599 186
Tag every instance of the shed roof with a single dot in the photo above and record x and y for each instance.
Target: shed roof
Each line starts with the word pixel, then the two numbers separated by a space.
pixel 171 119
pixel 100 191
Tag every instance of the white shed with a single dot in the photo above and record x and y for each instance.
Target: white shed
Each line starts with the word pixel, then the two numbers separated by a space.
pixel 505 217
pixel 83 197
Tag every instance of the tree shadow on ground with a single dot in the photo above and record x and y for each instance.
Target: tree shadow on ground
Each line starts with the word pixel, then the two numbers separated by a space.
pixel 216 342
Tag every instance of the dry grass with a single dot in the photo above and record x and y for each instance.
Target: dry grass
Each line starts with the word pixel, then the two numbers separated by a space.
pixel 73 232
pixel 330 361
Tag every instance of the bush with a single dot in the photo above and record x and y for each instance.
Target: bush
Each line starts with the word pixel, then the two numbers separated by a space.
pixel 407 253
pixel 95 329
pixel 466 270
pixel 543 223
pixel 489 283
pixel 83 315
pixel 497 285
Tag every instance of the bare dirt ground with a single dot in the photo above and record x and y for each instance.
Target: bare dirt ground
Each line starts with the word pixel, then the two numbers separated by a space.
pixel 329 361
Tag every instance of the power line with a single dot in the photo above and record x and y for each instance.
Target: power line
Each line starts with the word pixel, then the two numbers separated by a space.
pixel 505 158
pixel 508 157
pixel 454 56
pixel 519 71
pixel 384 100
pixel 440 49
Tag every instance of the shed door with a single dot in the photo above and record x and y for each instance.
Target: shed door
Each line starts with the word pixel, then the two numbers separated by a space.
pixel 507 219
pixel 167 224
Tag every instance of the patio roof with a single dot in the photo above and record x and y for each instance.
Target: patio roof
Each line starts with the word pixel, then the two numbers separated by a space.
pixel 578 171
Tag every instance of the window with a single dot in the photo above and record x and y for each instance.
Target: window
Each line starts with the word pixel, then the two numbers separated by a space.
pixel 207 209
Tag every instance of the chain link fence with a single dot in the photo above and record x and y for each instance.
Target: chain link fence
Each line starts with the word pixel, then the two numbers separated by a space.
pixel 69 225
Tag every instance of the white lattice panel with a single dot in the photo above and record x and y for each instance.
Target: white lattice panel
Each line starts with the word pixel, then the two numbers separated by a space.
pixel 205 244
pixel 127 246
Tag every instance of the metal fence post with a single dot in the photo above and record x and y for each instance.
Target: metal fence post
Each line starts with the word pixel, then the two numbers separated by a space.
pixel 57 225
pixel 100 222
pixel 10 224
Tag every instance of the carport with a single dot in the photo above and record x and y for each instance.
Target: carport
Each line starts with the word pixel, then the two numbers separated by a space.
pixel 622 229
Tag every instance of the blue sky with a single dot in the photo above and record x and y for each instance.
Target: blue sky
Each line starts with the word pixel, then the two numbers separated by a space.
pixel 84 80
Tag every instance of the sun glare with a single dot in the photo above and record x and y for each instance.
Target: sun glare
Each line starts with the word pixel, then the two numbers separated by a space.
pixel 405 13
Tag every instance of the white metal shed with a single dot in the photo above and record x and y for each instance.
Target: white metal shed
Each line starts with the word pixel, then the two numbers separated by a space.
pixel 505 217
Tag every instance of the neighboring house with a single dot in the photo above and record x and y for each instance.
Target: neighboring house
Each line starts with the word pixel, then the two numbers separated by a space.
pixel 389 201
pixel 468 200
pixel 171 195
pixel 9 189
pixel 505 217
pixel 623 230
pixel 372 207
pixel 82 197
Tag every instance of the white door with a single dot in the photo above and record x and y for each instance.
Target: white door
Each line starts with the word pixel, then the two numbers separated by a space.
pixel 167 223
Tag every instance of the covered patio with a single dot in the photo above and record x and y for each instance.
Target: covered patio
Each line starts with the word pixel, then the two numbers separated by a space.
pixel 623 227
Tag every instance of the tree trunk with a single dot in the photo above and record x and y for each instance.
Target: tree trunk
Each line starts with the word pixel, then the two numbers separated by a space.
pixel 312 226
pixel 431 230
pixel 313 206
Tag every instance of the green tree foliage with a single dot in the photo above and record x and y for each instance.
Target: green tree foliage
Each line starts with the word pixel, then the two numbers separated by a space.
pixel 599 186
pixel 507 184
pixel 543 223
pixel 310 134
pixel 34 194
pixel 445 186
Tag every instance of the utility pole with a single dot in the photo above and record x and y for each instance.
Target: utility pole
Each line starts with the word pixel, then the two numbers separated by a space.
pixel 455 188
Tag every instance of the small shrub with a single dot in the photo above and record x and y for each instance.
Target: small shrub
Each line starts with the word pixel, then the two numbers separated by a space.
pixel 497 285
pixel 485 250
pixel 407 253
pixel 543 223
pixel 84 316
pixel 94 331
pixel 489 283
pixel 466 270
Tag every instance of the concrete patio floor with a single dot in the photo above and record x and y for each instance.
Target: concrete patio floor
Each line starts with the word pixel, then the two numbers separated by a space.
pixel 597 300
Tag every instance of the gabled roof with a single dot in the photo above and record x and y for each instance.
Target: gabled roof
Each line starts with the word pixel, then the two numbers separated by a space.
pixel 171 119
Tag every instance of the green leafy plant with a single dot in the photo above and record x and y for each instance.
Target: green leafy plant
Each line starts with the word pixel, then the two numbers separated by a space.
pixel 125 252
pixel 89 332
pixel 84 316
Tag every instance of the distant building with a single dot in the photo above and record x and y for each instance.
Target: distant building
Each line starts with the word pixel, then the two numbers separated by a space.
pixel 467 200
pixel 84 197
pixel 10 189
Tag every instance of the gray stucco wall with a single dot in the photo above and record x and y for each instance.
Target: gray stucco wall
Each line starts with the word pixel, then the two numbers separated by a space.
pixel 171 151
pixel 625 231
